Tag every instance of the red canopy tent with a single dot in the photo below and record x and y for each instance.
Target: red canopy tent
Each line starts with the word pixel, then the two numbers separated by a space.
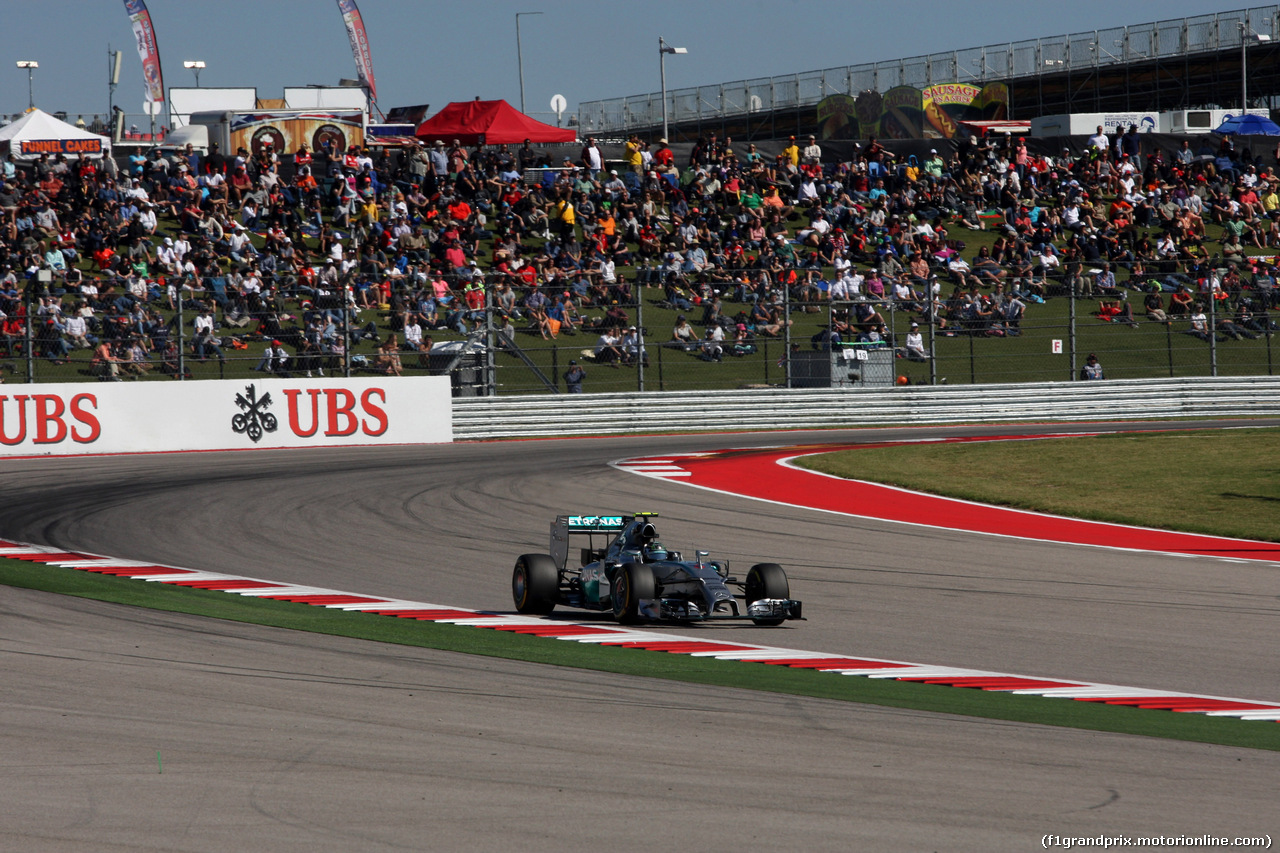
pixel 490 123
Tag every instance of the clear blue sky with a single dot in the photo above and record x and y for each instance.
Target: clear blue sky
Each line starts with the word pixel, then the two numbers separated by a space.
pixel 436 52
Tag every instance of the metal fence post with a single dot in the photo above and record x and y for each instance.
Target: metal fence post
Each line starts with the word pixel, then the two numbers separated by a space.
pixel 28 347
pixel 640 356
pixel 346 331
pixel 973 367
pixel 182 340
pixel 786 326
pixel 1213 329
pixel 933 340
pixel 490 341
pixel 662 383
pixel 1071 332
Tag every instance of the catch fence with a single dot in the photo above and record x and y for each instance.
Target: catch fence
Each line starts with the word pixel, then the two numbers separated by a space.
pixel 799 338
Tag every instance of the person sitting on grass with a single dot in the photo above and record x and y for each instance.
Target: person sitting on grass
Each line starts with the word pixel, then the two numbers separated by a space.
pixel 1181 302
pixel 387 361
pixel 415 340
pixel 713 343
pixel 1199 323
pixel 684 336
pixel 607 350
pixel 1154 304
pixel 1116 311
pixel 914 349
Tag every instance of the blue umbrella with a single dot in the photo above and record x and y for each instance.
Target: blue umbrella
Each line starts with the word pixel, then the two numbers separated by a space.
pixel 1248 125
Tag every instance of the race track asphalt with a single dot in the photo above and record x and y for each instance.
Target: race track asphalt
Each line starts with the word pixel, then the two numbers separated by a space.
pixel 285 741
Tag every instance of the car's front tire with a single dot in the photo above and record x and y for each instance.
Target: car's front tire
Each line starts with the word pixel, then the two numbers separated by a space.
pixel 535 584
pixel 632 583
pixel 767 580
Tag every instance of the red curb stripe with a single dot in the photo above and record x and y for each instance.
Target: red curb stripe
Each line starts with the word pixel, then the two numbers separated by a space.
pixel 1012 682
pixel 1179 703
pixel 760 474
pixel 989 681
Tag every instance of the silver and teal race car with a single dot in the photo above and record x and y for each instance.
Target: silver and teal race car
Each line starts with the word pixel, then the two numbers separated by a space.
pixel 621 566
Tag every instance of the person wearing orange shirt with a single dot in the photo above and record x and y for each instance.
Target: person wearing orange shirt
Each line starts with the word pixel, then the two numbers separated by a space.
pixel 608 224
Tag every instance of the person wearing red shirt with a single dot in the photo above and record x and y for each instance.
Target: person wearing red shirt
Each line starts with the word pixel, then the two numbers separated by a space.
pixel 664 159
pixel 460 211
pixel 1251 204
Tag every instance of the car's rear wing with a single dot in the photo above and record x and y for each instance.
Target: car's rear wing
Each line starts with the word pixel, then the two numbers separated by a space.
pixel 576 525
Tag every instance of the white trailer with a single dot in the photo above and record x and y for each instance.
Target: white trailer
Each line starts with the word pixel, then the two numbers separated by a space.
pixel 1086 124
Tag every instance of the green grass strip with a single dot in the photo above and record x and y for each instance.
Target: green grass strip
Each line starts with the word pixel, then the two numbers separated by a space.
pixel 675 667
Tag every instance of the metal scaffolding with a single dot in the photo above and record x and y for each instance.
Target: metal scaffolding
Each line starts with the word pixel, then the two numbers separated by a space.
pixel 1186 63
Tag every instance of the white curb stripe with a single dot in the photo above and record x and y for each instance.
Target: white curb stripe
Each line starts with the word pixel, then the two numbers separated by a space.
pixel 601 634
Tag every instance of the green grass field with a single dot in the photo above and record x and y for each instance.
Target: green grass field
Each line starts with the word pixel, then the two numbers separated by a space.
pixel 1219 483
pixel 639 663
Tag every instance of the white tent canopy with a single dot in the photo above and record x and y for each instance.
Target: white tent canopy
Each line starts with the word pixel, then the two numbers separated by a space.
pixel 38 133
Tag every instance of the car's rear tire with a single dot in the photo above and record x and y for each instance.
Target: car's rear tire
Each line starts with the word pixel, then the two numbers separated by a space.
pixel 535 584
pixel 632 583
pixel 767 580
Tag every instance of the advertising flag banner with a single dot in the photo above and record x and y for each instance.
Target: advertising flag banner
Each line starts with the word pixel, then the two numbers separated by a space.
pixel 145 34
pixel 359 45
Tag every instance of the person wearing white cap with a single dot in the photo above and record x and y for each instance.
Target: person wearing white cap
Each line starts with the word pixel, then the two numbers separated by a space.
pixel 166 257
pixel 632 349
pixel 935 166
pixel 914 349
pixel 811 157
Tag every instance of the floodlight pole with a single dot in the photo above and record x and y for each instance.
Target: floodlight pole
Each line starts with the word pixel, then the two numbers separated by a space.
pixel 1244 69
pixel 663 50
pixel 520 56
pixel 31 66
pixel 1247 34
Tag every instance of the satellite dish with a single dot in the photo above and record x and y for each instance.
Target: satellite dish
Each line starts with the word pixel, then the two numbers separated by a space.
pixel 558 105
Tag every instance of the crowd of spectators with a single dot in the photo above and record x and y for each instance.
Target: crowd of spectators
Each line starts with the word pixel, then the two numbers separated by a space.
pixel 295 251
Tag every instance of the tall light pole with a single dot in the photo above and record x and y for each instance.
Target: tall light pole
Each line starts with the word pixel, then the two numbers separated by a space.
pixel 1247 35
pixel 195 65
pixel 663 50
pixel 519 57
pixel 31 66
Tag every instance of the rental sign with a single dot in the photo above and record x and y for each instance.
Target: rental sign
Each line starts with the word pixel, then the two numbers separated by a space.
pixel 64 420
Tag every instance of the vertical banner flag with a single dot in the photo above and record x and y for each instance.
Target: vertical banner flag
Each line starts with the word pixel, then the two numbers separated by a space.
pixel 359 45
pixel 145 35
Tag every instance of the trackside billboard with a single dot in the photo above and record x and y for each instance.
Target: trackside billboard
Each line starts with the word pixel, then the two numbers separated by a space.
pixel 66 420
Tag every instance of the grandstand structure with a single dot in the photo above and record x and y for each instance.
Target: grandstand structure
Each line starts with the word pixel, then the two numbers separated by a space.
pixel 1184 63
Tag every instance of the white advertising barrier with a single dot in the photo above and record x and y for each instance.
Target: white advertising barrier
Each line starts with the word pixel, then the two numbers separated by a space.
pixel 65 420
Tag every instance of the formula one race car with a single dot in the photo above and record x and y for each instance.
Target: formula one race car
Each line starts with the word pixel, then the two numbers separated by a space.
pixel 636 577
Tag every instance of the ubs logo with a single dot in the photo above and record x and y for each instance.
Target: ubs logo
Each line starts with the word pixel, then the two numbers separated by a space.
pixel 253 420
